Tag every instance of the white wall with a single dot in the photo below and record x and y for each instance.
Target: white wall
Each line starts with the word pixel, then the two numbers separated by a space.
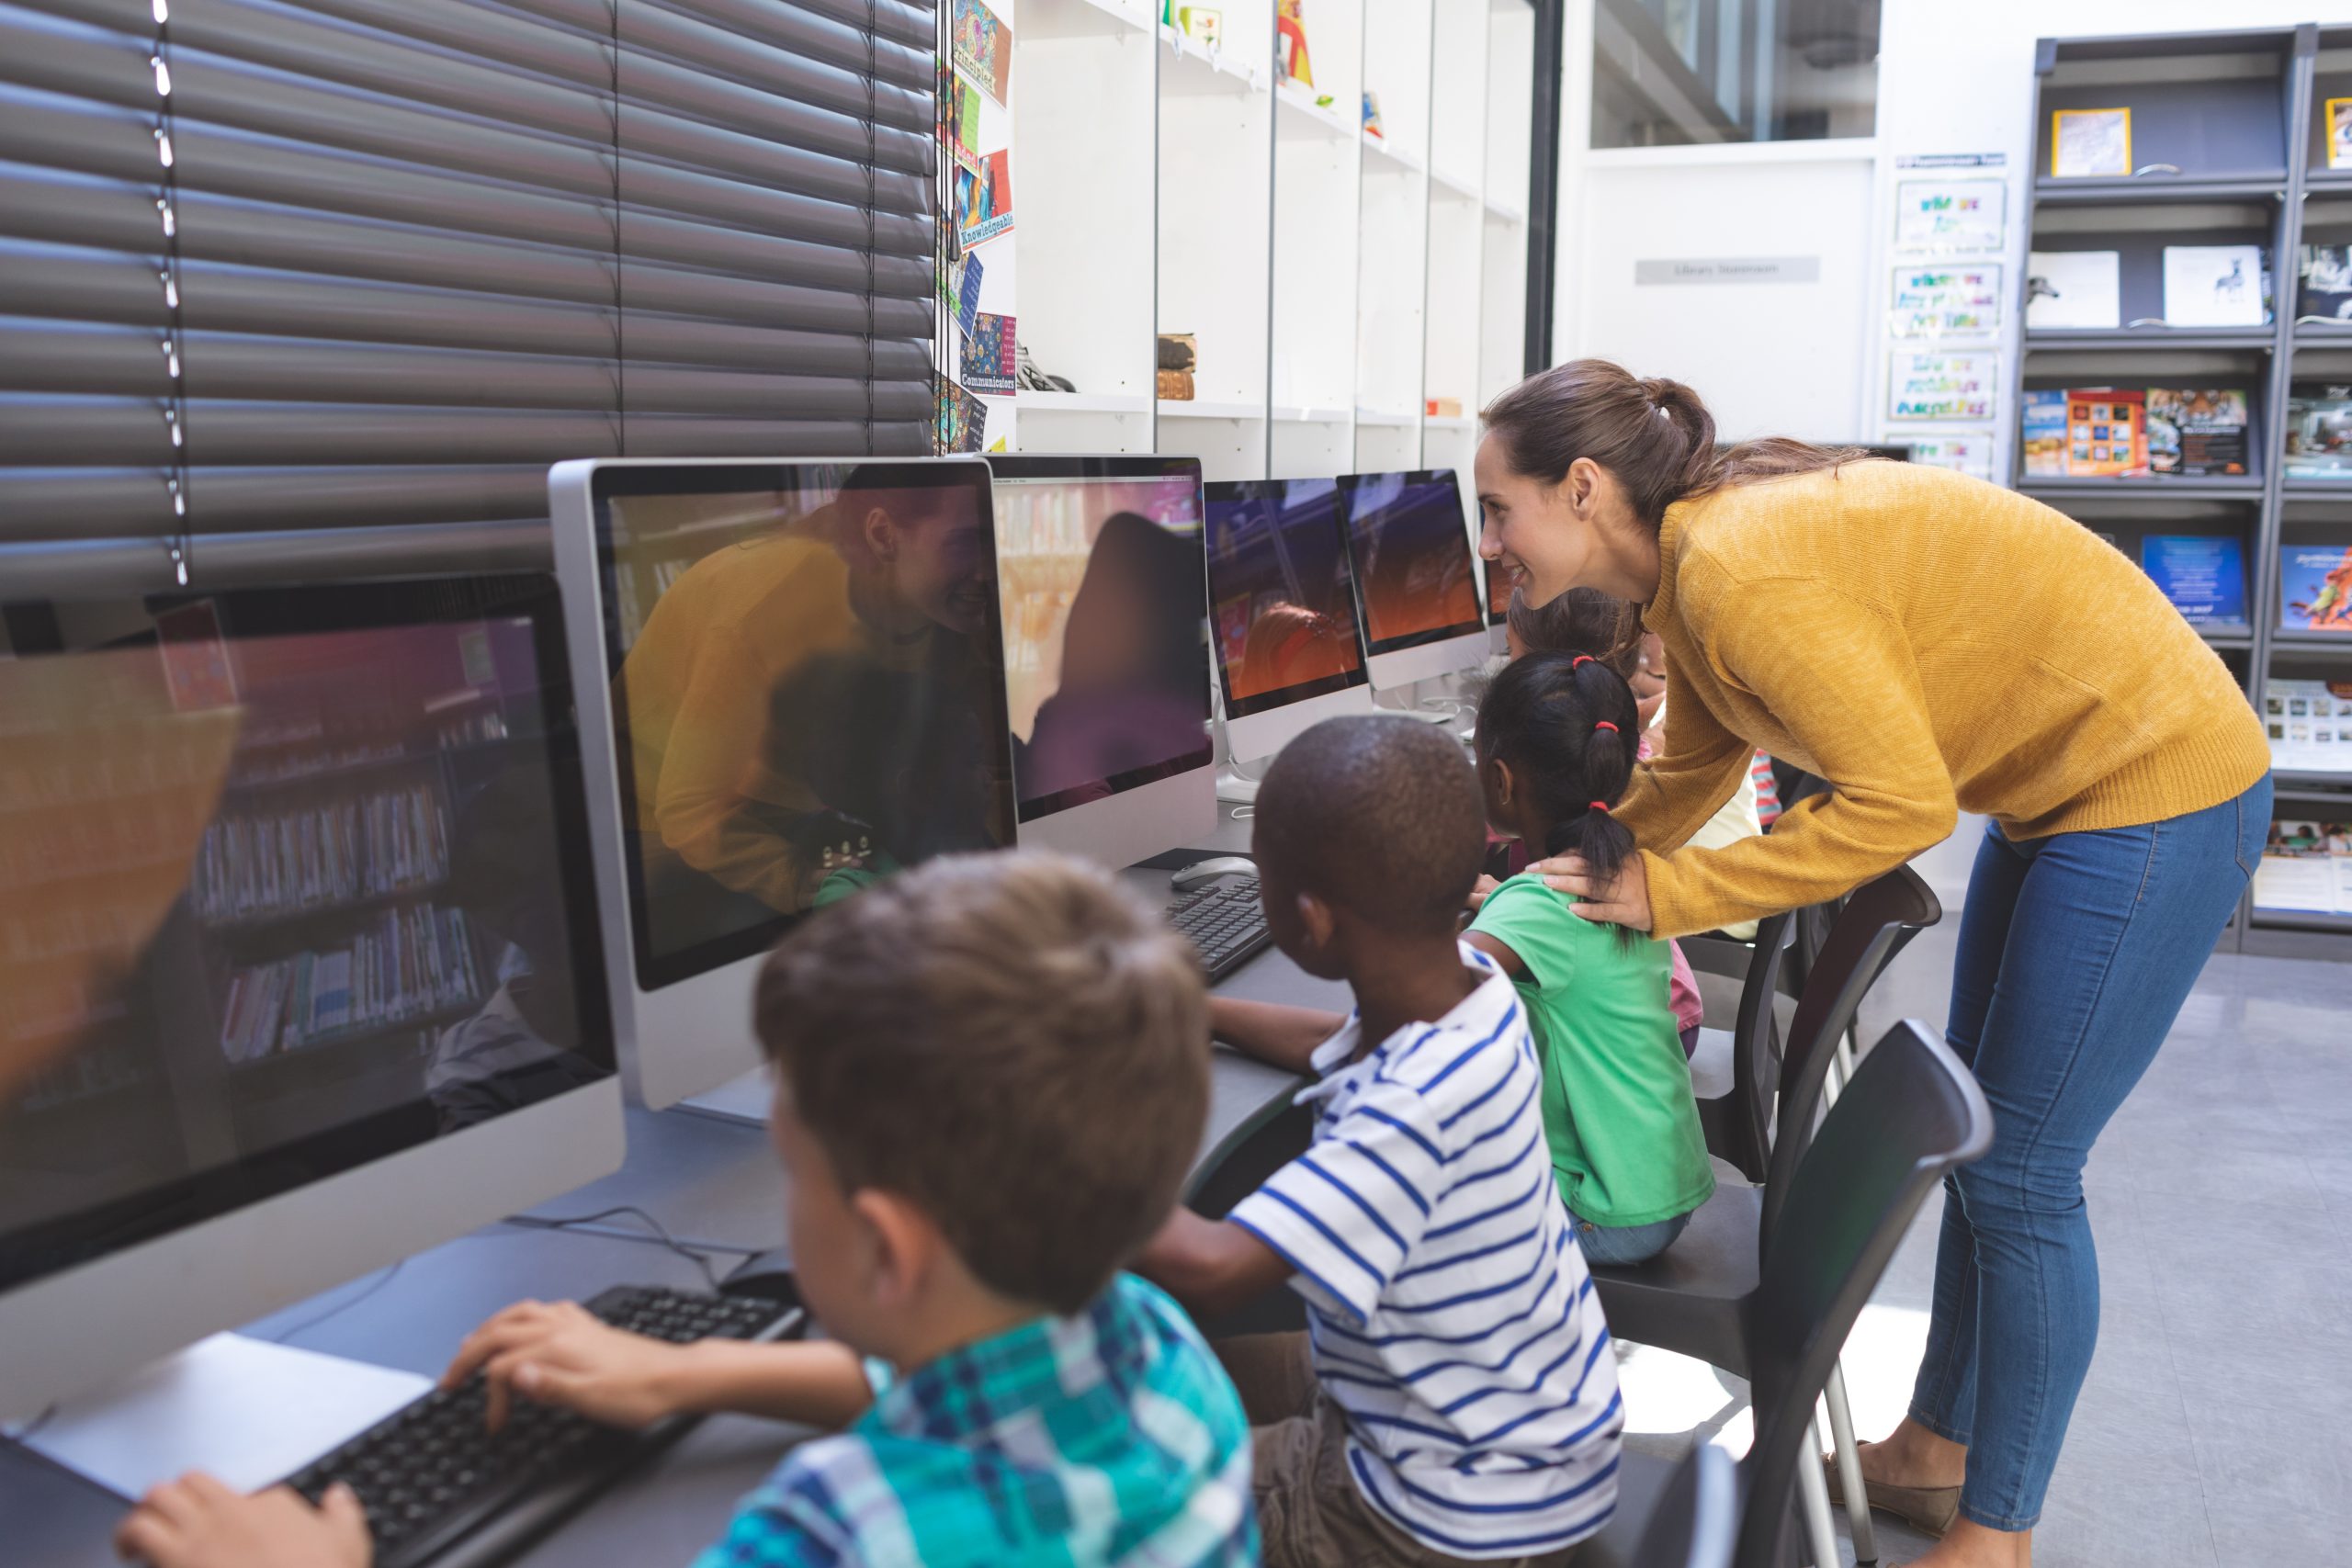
pixel 1951 79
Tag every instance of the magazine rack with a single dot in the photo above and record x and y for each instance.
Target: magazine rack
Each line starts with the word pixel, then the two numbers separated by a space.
pixel 2228 145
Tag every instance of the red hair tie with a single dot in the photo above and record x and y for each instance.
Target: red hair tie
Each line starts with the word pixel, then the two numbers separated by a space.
pixel 1582 659
pixel 1601 806
pixel 1604 724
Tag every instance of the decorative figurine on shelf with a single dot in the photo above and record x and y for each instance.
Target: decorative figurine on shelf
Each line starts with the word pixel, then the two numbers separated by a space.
pixel 1372 114
pixel 1290 45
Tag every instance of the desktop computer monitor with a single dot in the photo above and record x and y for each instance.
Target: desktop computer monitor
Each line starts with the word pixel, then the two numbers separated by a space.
pixel 296 977
pixel 1283 611
pixel 791 683
pixel 1105 606
pixel 1409 548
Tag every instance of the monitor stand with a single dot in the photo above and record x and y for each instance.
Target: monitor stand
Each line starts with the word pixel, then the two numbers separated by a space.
pixel 745 1100
pixel 247 1411
pixel 1234 788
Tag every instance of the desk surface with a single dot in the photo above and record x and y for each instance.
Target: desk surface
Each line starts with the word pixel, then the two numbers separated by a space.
pixel 707 1180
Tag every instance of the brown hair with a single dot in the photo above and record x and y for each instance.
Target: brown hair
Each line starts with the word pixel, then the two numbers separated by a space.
pixel 1653 436
pixel 1011 1042
pixel 1582 620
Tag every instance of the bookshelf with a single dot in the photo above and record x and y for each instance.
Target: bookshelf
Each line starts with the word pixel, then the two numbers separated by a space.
pixel 2228 141
pixel 1334 280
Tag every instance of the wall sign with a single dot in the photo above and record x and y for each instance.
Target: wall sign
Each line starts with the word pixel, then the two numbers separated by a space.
pixel 1950 387
pixel 1728 269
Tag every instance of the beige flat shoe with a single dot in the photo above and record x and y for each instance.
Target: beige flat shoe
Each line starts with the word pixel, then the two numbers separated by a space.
pixel 1929 1509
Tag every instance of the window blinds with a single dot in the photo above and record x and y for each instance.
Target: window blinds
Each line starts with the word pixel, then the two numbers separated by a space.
pixel 267 266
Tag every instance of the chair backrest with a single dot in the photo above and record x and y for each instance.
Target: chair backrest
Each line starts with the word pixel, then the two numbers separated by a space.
pixel 1746 1120
pixel 1878 920
pixel 1696 1521
pixel 1911 1114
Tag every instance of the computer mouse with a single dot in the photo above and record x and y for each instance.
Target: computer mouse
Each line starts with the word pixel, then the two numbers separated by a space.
pixel 767 1275
pixel 1200 873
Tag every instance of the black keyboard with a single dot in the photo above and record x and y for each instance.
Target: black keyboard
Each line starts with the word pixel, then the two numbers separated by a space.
pixel 439 1487
pixel 1225 922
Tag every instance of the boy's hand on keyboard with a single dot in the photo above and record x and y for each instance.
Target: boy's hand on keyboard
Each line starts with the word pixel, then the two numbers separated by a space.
pixel 197 1522
pixel 559 1353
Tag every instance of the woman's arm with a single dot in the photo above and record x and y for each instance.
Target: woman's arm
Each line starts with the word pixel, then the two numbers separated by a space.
pixel 1281 1036
pixel 1843 680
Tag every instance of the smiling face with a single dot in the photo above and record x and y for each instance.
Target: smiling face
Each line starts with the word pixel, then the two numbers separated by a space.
pixel 1548 539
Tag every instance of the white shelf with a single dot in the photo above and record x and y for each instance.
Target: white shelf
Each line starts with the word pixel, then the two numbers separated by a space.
pixel 1186 408
pixel 1386 417
pixel 1197 69
pixel 1078 403
pixel 1378 153
pixel 1081 18
pixel 1453 186
pixel 1509 213
pixel 1300 105
pixel 1451 422
pixel 1311 415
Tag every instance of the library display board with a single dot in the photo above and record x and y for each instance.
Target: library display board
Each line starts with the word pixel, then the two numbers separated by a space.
pixel 1326 198
pixel 2184 385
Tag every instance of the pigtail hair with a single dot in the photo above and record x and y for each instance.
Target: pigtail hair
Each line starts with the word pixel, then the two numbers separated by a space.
pixel 1566 724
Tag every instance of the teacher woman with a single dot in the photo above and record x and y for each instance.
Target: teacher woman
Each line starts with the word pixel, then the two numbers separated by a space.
pixel 1927 643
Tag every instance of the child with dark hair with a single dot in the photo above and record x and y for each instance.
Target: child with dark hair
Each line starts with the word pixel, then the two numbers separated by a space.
pixel 1555 751
pixel 1456 1399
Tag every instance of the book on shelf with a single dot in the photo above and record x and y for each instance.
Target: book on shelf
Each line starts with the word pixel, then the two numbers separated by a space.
pixel 2216 286
pixel 2323 284
pixel 2203 574
pixel 2339 133
pixel 409 963
pixel 2090 142
pixel 2315 589
pixel 2306 868
pixel 2073 289
pixel 318 855
pixel 2310 725
pixel 2196 430
pixel 2043 432
pixel 2319 432
pixel 2107 433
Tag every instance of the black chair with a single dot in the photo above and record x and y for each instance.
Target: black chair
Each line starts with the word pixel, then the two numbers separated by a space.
pixel 1695 1297
pixel 1911 1114
pixel 1691 1511
pixel 1737 1122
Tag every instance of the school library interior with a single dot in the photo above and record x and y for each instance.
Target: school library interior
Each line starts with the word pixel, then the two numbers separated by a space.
pixel 1074 781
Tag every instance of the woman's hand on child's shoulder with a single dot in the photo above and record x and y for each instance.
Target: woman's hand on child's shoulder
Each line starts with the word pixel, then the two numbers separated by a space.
pixel 1623 900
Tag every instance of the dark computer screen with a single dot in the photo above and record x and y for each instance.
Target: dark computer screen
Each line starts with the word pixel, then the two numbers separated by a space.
pixel 1106 664
pixel 1410 549
pixel 1282 604
pixel 807 686
pixel 294 879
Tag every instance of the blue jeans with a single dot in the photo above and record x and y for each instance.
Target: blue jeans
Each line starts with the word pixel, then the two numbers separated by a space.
pixel 2075 954
pixel 1626 1244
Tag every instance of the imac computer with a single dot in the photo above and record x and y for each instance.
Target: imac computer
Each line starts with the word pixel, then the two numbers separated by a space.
pixel 1499 587
pixel 1104 608
pixel 1282 609
pixel 791 683
pixel 295 981
pixel 1415 575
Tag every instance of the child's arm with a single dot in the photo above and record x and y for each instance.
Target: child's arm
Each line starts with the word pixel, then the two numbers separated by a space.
pixel 1284 1036
pixel 1210 1266
pixel 1512 965
pixel 559 1354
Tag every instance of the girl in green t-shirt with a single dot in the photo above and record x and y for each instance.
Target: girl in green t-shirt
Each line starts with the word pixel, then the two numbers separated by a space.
pixel 1556 745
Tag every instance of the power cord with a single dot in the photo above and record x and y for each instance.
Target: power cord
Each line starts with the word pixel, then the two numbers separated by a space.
pixel 382 1279
pixel 694 1250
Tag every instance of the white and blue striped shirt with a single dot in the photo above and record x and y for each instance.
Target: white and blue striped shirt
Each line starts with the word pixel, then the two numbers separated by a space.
pixel 1451 1313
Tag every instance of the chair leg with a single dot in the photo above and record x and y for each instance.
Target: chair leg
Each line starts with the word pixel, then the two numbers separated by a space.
pixel 1813 1489
pixel 1850 1468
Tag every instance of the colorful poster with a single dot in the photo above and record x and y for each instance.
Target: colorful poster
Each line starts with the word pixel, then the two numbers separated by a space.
pixel 1943 386
pixel 967 300
pixel 983 199
pixel 2315 588
pixel 1971 455
pixel 963 419
pixel 1946 217
pixel 1945 301
pixel 988 356
pixel 960 121
pixel 983 48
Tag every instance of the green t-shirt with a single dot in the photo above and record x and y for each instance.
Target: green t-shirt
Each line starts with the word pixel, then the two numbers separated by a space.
pixel 1617 1104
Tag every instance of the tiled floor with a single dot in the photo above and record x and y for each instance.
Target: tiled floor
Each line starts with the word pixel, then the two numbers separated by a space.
pixel 2216 1430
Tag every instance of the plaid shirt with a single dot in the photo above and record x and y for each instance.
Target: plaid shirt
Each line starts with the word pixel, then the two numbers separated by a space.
pixel 1108 1437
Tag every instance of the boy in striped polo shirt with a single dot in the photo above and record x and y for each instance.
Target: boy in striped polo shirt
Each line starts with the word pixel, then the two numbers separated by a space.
pixel 1454 1398
pixel 991 1074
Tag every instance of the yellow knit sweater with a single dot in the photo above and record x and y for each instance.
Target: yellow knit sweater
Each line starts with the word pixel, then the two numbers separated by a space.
pixel 1927 643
